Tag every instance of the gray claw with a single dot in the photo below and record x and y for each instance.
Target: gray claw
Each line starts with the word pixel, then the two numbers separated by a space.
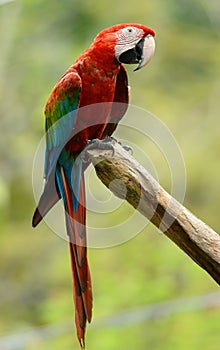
pixel 128 148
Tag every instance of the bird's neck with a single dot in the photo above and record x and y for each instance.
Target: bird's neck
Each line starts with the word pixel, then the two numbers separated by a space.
pixel 101 57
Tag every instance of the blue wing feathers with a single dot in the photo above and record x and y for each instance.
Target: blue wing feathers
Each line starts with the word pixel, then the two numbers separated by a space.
pixel 57 136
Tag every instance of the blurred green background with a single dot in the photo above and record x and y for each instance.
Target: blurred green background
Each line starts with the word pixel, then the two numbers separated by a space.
pixel 38 41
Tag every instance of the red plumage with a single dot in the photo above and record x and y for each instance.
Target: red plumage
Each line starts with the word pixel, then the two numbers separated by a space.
pixel 96 76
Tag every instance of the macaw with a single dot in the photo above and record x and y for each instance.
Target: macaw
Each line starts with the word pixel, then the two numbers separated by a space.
pixel 97 76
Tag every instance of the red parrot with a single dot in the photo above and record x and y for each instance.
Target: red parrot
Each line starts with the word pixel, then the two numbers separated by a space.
pixel 98 75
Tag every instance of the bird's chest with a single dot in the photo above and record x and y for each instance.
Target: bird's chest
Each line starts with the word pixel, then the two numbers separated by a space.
pixel 97 95
pixel 98 85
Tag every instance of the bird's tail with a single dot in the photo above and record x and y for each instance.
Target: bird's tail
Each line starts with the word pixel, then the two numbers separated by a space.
pixel 76 230
pixel 75 213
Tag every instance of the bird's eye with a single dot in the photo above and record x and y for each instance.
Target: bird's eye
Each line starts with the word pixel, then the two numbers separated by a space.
pixel 130 30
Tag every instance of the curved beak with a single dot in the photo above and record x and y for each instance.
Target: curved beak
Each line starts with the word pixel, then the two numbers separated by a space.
pixel 147 51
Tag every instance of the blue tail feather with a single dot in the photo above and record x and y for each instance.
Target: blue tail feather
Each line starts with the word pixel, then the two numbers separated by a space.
pixel 73 170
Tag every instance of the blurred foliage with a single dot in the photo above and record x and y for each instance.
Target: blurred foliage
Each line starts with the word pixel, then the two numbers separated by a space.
pixel 38 41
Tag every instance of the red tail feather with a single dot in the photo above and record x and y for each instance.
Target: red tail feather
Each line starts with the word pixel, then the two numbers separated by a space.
pixel 76 229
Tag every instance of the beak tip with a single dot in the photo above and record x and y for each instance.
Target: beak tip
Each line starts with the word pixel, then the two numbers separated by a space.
pixel 148 52
pixel 137 68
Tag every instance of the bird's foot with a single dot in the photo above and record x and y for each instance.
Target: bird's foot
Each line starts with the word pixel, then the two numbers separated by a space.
pixel 101 144
pixel 97 143
pixel 104 145
pixel 125 147
pixel 111 147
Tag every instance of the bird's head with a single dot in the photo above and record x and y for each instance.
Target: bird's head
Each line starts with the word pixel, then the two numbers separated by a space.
pixel 130 43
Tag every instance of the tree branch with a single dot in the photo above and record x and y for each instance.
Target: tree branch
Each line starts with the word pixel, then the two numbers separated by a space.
pixel 129 180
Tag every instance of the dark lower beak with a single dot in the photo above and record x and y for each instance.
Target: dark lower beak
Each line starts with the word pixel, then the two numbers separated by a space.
pixel 141 53
pixel 133 55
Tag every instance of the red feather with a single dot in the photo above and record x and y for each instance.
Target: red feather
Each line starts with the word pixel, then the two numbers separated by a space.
pixel 96 76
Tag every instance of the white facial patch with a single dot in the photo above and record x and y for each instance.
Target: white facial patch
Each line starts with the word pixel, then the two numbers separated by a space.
pixel 127 38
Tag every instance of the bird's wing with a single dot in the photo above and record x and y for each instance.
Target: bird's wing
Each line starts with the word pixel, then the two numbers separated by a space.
pixel 120 105
pixel 61 112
